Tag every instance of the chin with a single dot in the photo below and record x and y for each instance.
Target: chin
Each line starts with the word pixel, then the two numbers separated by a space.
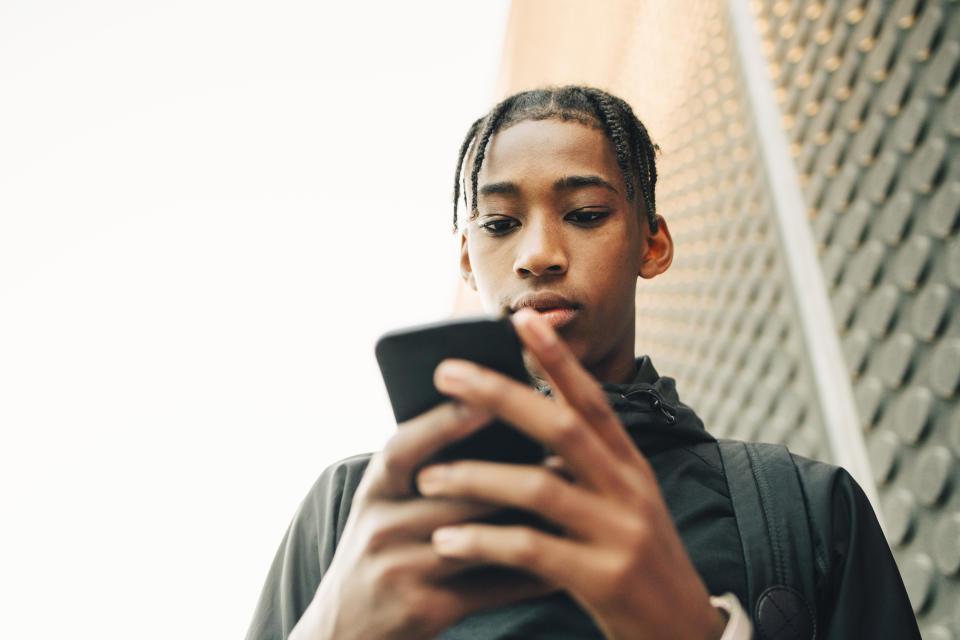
pixel 580 350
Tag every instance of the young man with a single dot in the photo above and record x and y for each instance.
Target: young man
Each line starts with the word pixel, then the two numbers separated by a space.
pixel 561 223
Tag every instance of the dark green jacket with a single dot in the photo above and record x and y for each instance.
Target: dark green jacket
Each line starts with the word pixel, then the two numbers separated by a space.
pixel 859 590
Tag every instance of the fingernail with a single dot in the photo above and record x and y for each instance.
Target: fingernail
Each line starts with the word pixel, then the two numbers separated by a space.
pixel 448 540
pixel 430 479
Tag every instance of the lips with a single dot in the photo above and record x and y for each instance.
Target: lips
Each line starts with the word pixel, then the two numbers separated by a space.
pixel 556 309
pixel 558 317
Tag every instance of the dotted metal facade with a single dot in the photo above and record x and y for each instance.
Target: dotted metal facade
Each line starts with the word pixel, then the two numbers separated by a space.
pixel 869 97
pixel 722 319
pixel 870 101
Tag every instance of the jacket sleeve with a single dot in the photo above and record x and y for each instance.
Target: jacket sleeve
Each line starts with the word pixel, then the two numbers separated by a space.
pixel 306 550
pixel 859 589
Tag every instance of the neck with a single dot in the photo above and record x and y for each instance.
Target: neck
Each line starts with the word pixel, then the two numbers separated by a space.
pixel 619 364
pixel 620 369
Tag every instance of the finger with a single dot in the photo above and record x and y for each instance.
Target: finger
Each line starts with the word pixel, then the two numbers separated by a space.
pixel 557 560
pixel 416 518
pixel 420 559
pixel 571 381
pixel 391 470
pixel 558 465
pixel 532 488
pixel 555 425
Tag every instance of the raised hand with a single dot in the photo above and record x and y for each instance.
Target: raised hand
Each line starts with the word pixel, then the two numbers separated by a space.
pixel 619 555
pixel 386 580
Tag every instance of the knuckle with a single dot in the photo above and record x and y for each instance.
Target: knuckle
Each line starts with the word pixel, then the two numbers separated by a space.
pixel 527 551
pixel 541 489
pixel 638 533
pixel 380 539
pixel 385 574
pixel 625 485
pixel 420 615
pixel 623 575
pixel 568 431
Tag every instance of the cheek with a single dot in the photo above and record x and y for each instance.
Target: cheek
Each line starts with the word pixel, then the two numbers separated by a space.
pixel 487 263
pixel 615 255
pixel 619 262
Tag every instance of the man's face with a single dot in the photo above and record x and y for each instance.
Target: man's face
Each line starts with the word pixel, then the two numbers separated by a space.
pixel 555 232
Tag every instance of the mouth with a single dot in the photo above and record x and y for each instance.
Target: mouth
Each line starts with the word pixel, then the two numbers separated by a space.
pixel 558 317
pixel 557 310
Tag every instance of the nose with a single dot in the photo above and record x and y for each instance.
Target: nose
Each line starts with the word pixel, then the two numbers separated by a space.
pixel 541 250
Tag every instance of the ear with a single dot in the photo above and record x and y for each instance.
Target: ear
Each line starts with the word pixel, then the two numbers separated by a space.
pixel 658 253
pixel 466 271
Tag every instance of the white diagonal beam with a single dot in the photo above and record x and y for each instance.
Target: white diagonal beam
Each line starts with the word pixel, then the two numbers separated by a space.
pixel 830 377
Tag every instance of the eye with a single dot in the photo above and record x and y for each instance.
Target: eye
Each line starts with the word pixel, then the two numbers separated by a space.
pixel 587 217
pixel 499 226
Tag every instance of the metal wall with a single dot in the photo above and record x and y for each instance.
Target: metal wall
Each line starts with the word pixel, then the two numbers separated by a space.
pixel 811 180
pixel 870 104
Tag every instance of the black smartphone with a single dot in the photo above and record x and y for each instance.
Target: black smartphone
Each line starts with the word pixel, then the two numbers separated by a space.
pixel 407 360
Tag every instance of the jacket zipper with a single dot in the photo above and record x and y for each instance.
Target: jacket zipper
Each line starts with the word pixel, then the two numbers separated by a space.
pixel 656 401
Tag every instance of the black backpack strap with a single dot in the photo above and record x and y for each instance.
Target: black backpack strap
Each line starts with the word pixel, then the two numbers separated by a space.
pixel 771 515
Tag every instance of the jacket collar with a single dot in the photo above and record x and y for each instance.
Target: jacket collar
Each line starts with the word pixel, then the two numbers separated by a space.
pixel 650 410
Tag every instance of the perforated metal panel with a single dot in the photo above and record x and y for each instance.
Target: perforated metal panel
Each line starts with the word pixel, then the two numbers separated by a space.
pixel 722 319
pixel 869 94
pixel 869 98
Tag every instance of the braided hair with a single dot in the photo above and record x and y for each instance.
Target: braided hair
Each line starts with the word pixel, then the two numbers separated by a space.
pixel 635 151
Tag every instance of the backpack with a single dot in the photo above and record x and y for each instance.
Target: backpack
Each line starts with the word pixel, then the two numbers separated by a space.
pixel 771 515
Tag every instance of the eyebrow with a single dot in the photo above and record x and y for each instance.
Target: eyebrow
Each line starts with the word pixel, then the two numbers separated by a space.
pixel 563 184
pixel 575 182
pixel 499 188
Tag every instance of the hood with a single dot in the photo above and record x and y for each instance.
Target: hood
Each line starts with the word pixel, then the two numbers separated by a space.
pixel 652 413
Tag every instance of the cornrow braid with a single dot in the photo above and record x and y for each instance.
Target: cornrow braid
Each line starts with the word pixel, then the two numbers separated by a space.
pixel 635 152
pixel 633 143
pixel 456 179
pixel 493 123
pixel 614 129
pixel 646 150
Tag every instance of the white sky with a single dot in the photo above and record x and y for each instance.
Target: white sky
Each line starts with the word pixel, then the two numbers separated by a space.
pixel 209 211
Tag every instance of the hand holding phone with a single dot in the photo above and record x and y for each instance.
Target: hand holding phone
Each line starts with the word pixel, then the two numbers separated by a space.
pixel 386 543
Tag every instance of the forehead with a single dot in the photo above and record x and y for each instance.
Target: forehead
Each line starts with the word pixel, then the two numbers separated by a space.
pixel 549 148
